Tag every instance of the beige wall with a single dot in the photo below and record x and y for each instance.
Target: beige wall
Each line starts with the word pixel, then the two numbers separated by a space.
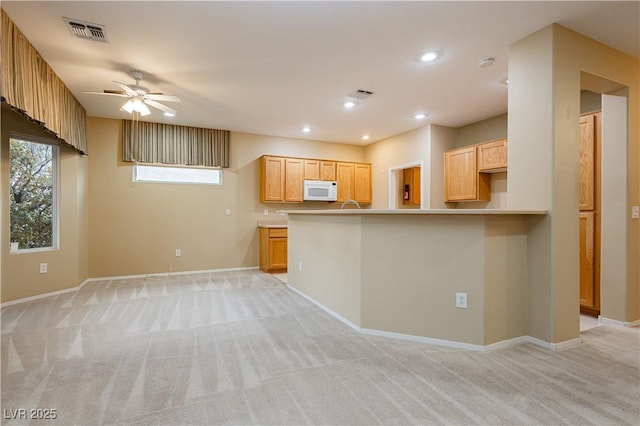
pixel 482 131
pixel 136 228
pixel 400 274
pixel 67 266
pixel 409 147
pixel 544 107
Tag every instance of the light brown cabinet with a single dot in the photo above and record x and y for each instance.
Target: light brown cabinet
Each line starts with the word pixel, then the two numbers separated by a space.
pixel 462 180
pixel 411 186
pixel 354 182
pixel 589 216
pixel 281 179
pixel 272 179
pixel 492 156
pixel 273 249
pixel 293 183
pixel 467 170
pixel 319 170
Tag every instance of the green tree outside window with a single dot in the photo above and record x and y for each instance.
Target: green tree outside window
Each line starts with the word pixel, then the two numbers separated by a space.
pixel 32 192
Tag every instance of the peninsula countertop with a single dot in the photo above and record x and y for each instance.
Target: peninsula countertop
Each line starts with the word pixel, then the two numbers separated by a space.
pixel 409 212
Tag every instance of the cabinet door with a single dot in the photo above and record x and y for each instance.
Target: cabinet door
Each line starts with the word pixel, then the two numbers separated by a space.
pixel 344 177
pixel 362 183
pixel 587 281
pixel 277 253
pixel 587 164
pixel 327 170
pixel 312 169
pixel 293 180
pixel 492 156
pixel 415 187
pixel 272 172
pixel 460 174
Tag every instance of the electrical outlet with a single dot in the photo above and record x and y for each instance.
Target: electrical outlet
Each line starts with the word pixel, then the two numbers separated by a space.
pixel 300 266
pixel 265 212
pixel 178 253
pixel 635 212
pixel 461 300
pixel 43 268
pixel 227 212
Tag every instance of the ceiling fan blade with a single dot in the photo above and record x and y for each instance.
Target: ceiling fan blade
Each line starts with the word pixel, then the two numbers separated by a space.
pixel 161 107
pixel 114 93
pixel 161 97
pixel 126 88
pixel 121 92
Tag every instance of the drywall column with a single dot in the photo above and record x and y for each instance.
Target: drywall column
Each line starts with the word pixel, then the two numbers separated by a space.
pixel 544 108
pixel 530 182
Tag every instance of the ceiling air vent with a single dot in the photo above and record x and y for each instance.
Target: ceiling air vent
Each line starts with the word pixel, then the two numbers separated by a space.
pixel 86 30
pixel 360 94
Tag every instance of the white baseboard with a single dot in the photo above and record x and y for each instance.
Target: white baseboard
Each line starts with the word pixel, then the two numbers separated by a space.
pixel 610 321
pixel 170 274
pixel 327 310
pixel 441 342
pixel 121 277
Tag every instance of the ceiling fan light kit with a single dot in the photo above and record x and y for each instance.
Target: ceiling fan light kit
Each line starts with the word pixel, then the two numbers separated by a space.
pixel 140 97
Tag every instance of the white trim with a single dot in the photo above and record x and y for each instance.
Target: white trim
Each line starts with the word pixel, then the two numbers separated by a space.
pixel 421 339
pixel 441 342
pixel 169 274
pixel 121 277
pixel 610 321
pixel 42 296
pixel 327 310
pixel 391 197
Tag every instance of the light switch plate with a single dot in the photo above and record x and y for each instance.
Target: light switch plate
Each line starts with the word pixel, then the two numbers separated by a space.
pixel 265 212
pixel 227 212
pixel 635 212
pixel 461 300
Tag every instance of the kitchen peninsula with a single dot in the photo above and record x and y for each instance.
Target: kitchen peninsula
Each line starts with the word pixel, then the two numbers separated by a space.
pixel 398 272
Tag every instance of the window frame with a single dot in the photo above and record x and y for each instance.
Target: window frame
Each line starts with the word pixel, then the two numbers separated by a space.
pixel 55 190
pixel 136 166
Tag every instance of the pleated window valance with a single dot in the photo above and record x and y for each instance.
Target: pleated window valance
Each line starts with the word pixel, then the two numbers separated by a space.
pixel 159 143
pixel 30 86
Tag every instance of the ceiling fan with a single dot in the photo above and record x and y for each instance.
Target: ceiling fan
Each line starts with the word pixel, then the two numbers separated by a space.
pixel 140 97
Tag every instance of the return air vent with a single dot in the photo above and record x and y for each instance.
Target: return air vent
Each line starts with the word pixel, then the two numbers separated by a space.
pixel 86 30
pixel 360 94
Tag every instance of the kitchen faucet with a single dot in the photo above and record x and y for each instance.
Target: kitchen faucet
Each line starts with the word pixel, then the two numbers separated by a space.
pixel 350 202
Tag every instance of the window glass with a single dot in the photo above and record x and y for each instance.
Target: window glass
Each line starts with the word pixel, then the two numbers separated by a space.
pixel 167 174
pixel 32 192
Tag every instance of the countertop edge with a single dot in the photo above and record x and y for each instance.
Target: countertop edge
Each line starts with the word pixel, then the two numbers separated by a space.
pixel 401 212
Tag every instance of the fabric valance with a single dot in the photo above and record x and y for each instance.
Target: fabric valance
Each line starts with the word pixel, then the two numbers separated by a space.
pixel 159 143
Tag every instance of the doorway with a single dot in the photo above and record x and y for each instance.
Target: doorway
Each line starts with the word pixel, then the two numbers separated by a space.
pixel 606 218
pixel 406 186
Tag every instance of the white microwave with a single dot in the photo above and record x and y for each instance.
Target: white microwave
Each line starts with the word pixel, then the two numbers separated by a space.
pixel 320 190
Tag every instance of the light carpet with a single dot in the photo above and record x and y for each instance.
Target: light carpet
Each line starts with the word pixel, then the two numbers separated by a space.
pixel 240 348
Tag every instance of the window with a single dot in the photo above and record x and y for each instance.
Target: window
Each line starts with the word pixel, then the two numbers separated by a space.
pixel 173 174
pixel 33 194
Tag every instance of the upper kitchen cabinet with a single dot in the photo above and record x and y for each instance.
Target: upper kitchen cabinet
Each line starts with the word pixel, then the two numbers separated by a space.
pixel 319 170
pixel 462 181
pixel 492 156
pixel 281 179
pixel 354 182
pixel 467 170
pixel 271 179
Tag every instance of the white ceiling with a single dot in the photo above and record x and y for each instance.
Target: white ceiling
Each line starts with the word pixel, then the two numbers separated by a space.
pixel 272 67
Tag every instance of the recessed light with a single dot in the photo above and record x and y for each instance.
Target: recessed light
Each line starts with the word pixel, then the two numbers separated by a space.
pixel 429 56
pixel 420 116
pixel 169 114
pixel 365 137
pixel 349 104
pixel 306 129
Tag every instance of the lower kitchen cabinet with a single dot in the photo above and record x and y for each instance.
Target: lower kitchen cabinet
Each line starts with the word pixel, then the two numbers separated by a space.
pixel 273 249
